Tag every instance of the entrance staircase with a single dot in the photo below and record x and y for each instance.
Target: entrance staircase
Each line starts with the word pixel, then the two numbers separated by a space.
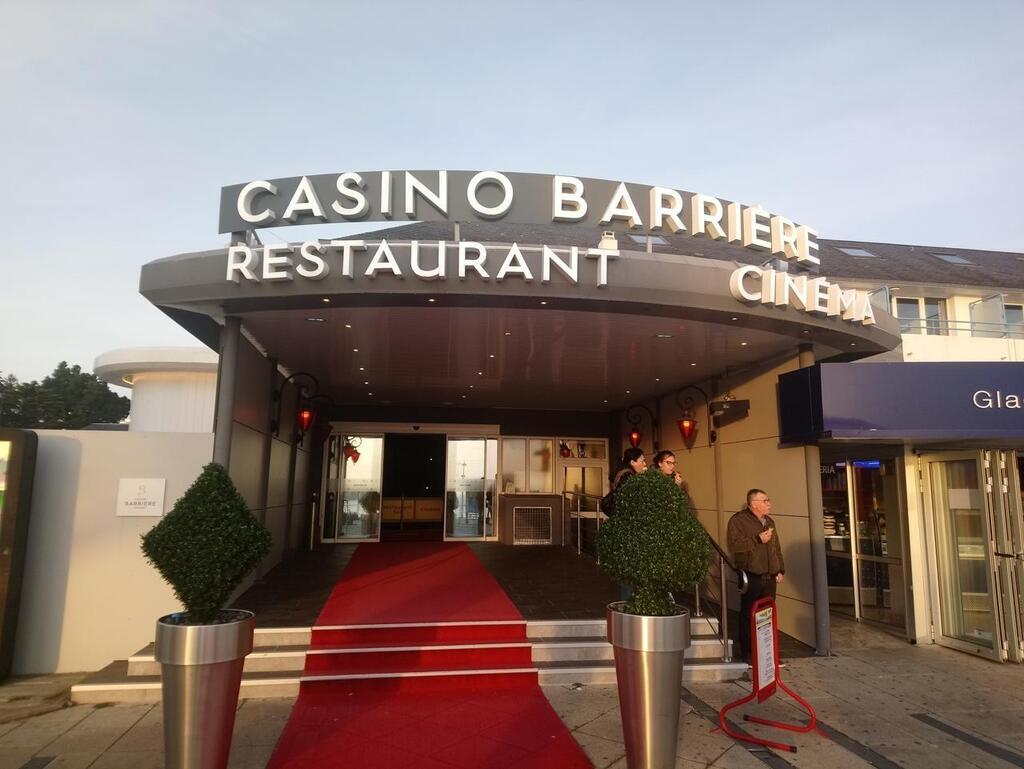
pixel 555 652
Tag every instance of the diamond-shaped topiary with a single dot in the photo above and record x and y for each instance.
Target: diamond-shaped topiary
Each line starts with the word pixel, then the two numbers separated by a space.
pixel 653 543
pixel 207 544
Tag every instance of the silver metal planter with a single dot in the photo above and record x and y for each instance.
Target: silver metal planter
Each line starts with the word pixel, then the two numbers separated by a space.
pixel 649 655
pixel 201 671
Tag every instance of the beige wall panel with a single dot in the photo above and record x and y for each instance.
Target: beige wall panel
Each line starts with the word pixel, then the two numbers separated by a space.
pixel 762 464
pixel 252 388
pixel 246 459
pixel 763 418
pixel 793 533
pixel 84 563
pixel 277 486
pixel 300 501
pixel 796 618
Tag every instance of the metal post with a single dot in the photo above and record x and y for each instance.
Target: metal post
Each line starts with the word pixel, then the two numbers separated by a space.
pixel 579 529
pixel 696 599
pixel 816 527
pixel 227 372
pixel 723 623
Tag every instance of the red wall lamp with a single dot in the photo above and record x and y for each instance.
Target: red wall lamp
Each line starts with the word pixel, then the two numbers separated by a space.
pixel 687 422
pixel 635 419
pixel 308 393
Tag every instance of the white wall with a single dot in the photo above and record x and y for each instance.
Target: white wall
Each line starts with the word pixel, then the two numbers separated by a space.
pixel 173 401
pixel 921 348
pixel 89 597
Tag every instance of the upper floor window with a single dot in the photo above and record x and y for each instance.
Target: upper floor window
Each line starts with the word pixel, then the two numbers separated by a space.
pixel 1014 314
pixel 952 258
pixel 921 315
pixel 851 251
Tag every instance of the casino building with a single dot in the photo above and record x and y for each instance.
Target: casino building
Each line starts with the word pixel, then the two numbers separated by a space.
pixel 472 371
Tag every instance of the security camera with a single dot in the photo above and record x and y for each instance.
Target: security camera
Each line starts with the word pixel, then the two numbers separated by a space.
pixel 415 427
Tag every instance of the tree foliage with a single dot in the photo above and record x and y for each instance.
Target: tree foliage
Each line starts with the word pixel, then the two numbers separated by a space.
pixel 653 543
pixel 68 399
pixel 207 544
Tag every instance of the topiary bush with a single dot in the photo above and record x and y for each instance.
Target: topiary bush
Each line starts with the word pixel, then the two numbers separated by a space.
pixel 653 543
pixel 207 544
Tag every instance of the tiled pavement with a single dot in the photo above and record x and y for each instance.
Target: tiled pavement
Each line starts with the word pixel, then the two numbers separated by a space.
pixel 875 695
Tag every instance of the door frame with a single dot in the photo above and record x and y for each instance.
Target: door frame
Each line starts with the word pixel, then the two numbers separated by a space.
pixel 995 651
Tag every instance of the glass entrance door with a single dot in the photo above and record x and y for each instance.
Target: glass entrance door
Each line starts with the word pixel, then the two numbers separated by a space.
pixel 352 497
pixel 864 536
pixel 469 501
pixel 964 578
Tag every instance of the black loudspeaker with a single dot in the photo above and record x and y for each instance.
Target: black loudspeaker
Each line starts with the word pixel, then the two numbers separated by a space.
pixel 17 469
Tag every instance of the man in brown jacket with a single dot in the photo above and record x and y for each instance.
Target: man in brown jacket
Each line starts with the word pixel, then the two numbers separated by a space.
pixel 756 550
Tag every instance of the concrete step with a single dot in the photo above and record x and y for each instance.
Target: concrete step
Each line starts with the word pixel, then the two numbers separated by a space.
pixel 571 648
pixel 262 659
pixel 603 671
pixel 704 625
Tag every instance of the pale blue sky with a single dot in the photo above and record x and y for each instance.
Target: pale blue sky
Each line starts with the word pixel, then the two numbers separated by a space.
pixel 894 121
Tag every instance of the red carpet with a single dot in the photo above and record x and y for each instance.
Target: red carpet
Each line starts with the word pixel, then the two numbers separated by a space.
pixel 420 661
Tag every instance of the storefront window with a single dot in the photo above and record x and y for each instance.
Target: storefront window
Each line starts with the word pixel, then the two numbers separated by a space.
pixel 541 471
pixel 513 465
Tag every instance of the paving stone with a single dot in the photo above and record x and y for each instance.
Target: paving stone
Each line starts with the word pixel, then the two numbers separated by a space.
pixel 73 761
pixel 601 752
pixel 39 731
pixel 738 757
pixel 608 726
pixel 134 759
pixel 99 730
pixel 251 756
pixel 146 734
pixel 260 722
pixel 14 758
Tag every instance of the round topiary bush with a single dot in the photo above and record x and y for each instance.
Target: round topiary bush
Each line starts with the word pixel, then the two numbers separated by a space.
pixel 653 543
pixel 207 544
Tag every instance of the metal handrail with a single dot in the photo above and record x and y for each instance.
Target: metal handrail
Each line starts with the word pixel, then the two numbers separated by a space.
pixel 577 513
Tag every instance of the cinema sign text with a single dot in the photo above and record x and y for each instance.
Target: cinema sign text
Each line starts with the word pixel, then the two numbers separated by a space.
pixel 467 196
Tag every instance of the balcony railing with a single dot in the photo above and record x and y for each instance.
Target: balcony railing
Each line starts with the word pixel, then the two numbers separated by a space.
pixel 933 327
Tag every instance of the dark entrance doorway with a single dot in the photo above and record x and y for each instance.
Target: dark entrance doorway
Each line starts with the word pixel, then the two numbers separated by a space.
pixel 413 487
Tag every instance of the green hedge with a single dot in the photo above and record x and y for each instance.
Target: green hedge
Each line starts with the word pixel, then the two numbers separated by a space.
pixel 653 543
pixel 207 544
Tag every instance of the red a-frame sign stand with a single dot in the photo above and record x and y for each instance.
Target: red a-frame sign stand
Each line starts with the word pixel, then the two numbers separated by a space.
pixel 765 678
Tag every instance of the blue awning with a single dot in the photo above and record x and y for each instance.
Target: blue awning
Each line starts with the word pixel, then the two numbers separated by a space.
pixel 887 401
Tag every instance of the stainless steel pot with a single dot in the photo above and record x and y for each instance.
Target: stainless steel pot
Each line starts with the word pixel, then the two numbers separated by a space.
pixel 649 654
pixel 201 672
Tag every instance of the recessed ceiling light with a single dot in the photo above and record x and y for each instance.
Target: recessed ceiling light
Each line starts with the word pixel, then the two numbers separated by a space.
pixel 479 373
pixel 735 318
pixel 471 387
pixel 355 349
pixel 362 368
pixel 348 325
pixel 314 320
pixel 693 364
pixel 508 333
pixel 663 336
pixel 605 400
pixel 431 299
pixel 369 393
pixel 491 355
pixel 806 331
pixel 366 383
pixel 627 392
pixel 657 379
pixel 743 344
pixel 463 396
pixel 543 302
pixel 327 300
pixel 853 344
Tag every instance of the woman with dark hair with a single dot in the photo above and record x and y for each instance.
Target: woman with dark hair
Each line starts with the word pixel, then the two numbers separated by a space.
pixel 633 462
pixel 665 461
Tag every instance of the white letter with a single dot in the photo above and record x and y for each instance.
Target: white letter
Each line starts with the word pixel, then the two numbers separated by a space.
pixel 361 206
pixel 706 216
pixel 840 301
pixel 736 287
pixel 271 263
pixel 602 255
pixel 784 237
pixel 385 194
pixel 768 286
pixel 312 252
pixel 347 247
pixel 490 177
pixel 383 260
pixel 414 186
pixel 733 227
pixel 985 401
pixel 235 266
pixel 866 314
pixel 621 207
pixel 515 264
pixel 806 242
pixel 437 272
pixel 571 269
pixel 1012 401
pixel 794 290
pixel 754 229
pixel 477 263
pixel 303 200
pixel 245 197
pixel 660 209
pixel 818 290
pixel 572 196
